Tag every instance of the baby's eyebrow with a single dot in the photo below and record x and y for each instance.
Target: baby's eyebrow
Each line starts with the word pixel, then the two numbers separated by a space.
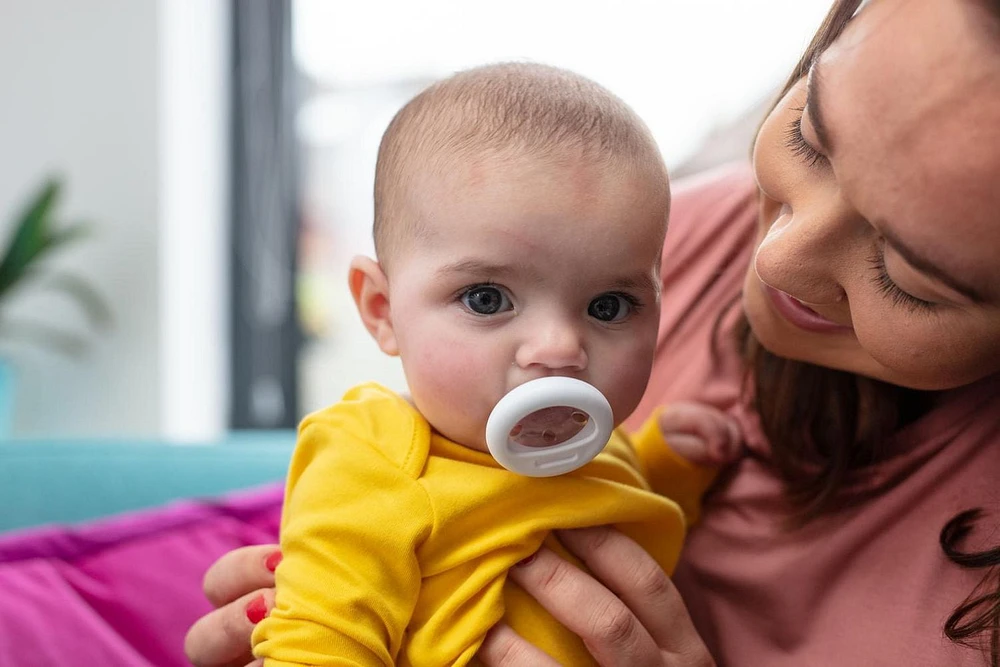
pixel 477 267
pixel 641 282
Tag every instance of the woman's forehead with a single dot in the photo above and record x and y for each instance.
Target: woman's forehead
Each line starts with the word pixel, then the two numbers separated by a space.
pixel 911 97
pixel 914 62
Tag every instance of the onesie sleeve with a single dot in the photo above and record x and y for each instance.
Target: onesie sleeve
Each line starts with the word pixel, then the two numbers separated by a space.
pixel 668 473
pixel 349 577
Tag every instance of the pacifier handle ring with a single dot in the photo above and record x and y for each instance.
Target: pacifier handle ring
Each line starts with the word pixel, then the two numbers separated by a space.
pixel 535 395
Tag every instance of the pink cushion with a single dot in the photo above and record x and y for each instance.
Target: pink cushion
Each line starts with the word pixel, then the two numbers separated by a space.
pixel 121 591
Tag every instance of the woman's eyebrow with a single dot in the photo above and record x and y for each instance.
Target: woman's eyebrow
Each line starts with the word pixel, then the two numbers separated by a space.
pixel 924 265
pixel 815 110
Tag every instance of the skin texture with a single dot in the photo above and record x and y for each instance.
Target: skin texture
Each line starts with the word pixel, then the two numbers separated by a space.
pixel 911 104
pixel 911 160
pixel 547 238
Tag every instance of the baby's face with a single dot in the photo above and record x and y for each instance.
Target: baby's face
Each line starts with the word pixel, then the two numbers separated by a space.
pixel 525 269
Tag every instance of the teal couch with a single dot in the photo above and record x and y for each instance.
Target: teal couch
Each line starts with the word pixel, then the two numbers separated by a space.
pixel 45 482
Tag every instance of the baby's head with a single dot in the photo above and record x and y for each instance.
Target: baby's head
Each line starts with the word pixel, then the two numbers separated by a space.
pixel 520 212
pixel 497 116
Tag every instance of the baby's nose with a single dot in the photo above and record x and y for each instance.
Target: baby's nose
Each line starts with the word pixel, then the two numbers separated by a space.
pixel 556 346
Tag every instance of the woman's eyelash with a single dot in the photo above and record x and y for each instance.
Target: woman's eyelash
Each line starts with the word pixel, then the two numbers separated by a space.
pixel 798 144
pixel 891 290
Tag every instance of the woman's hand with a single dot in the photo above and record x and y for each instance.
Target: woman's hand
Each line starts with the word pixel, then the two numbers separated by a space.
pixel 241 586
pixel 631 614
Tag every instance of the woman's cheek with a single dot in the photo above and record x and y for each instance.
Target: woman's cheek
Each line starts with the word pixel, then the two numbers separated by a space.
pixel 924 351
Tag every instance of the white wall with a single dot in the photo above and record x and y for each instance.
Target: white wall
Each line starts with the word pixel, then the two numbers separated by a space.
pixel 194 196
pixel 82 93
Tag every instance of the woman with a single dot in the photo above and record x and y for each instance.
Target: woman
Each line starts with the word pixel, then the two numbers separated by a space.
pixel 866 376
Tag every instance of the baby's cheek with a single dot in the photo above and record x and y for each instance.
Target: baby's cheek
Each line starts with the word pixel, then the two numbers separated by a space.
pixel 452 383
pixel 446 366
pixel 626 379
pixel 631 385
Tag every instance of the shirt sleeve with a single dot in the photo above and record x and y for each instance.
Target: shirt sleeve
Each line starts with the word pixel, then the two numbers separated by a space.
pixel 668 473
pixel 349 577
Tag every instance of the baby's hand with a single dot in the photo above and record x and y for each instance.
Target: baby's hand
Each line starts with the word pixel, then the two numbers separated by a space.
pixel 701 434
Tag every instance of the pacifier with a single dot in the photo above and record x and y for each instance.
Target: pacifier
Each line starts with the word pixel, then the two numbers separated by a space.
pixel 549 426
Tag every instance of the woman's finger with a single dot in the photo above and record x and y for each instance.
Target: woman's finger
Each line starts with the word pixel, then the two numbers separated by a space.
pixel 609 629
pixel 222 637
pixel 505 648
pixel 241 571
pixel 632 574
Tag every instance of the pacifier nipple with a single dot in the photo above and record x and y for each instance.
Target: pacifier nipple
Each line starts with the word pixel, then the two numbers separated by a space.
pixel 549 426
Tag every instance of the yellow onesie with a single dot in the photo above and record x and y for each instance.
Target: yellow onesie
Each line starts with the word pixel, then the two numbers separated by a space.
pixel 397 541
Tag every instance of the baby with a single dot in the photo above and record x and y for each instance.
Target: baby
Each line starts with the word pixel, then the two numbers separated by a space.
pixel 520 212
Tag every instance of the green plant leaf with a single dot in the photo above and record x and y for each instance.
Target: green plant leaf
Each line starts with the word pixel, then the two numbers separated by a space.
pixel 68 234
pixel 44 335
pixel 32 226
pixel 89 299
pixel 34 235
pixel 14 271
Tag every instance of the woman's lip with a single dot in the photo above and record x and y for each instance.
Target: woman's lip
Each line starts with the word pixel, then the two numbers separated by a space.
pixel 801 315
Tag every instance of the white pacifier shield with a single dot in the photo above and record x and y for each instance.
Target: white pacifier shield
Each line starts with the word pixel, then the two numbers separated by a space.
pixel 549 392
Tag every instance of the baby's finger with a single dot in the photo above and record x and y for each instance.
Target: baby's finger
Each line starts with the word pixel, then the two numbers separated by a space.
pixel 692 448
pixel 694 419
pixel 241 571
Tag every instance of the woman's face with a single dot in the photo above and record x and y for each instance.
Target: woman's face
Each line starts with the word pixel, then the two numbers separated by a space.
pixel 879 239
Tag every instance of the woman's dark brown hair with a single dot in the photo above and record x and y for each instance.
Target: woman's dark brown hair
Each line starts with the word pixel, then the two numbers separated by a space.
pixel 832 408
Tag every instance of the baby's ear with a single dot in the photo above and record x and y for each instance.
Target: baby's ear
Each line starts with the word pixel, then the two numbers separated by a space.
pixel 370 289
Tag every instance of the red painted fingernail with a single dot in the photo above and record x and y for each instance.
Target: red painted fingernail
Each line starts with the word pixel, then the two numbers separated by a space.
pixel 271 562
pixel 526 561
pixel 257 610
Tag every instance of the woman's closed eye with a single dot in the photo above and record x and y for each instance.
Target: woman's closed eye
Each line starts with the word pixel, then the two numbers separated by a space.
pixel 485 299
pixel 888 287
pixel 797 143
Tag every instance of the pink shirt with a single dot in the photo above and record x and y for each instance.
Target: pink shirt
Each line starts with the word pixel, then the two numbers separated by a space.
pixel 867 586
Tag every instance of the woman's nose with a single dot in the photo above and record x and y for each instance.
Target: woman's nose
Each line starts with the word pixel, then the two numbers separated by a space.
pixel 803 252
pixel 553 345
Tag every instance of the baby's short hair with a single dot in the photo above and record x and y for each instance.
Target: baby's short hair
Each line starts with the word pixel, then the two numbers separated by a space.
pixel 507 109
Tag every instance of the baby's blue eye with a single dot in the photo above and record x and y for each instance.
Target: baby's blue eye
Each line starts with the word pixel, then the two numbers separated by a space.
pixel 610 308
pixel 485 300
